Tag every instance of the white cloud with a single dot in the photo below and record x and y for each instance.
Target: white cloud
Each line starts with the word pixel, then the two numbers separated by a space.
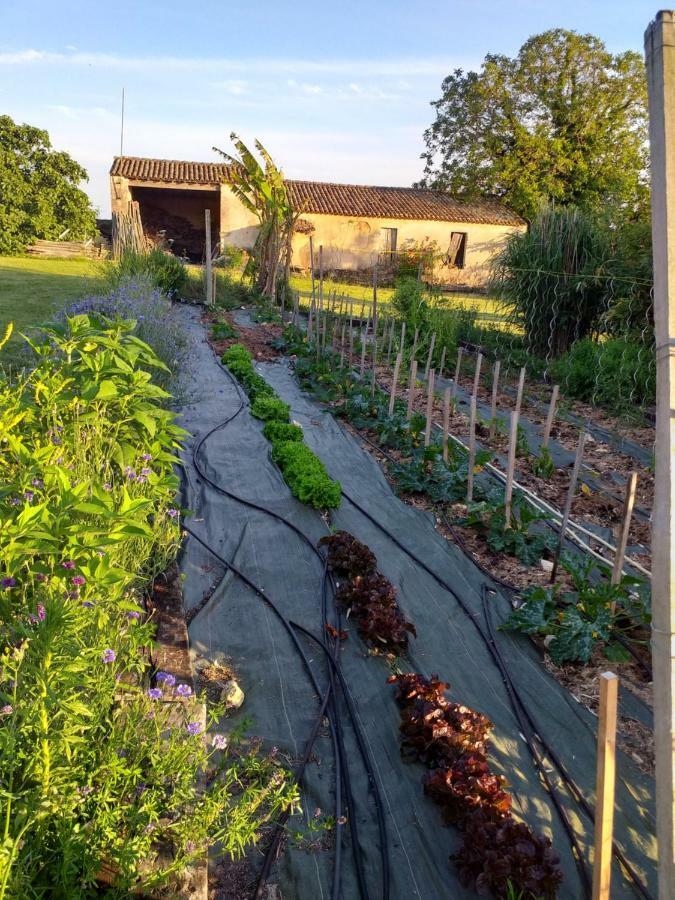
pixel 234 86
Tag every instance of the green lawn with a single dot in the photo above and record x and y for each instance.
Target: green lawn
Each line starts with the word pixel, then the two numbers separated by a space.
pixel 32 290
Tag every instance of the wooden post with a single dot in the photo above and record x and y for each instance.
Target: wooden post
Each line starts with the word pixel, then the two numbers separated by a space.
pixel 510 468
pixel 605 781
pixel 374 378
pixel 446 422
pixel 628 503
pixel 430 406
pixel 458 366
pixel 375 296
pixel 311 268
pixel 413 352
pixel 660 58
pixel 550 416
pixel 472 450
pixel 394 384
pixel 296 310
pixel 521 387
pixel 351 337
pixel 321 280
pixel 442 365
pixel 411 388
pixel 568 502
pixel 362 370
pixel 430 354
pixel 214 287
pixel 207 257
pixel 476 374
pixel 495 391
pixel 402 347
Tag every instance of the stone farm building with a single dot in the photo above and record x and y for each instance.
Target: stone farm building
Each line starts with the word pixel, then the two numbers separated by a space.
pixel 357 225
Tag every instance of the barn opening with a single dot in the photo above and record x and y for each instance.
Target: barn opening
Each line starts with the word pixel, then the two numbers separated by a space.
pixel 178 214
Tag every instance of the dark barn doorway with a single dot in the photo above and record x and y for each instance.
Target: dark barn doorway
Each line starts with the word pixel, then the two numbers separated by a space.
pixel 178 214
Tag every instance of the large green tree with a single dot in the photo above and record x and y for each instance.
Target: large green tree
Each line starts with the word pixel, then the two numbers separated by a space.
pixel 40 195
pixel 565 120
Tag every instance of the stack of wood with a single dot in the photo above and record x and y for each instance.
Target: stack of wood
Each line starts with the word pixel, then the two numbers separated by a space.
pixel 163 227
pixel 127 231
pixel 61 249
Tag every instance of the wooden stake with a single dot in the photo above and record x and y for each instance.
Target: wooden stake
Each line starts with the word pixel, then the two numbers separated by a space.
pixel 413 353
pixel 550 416
pixel 605 781
pixel 472 450
pixel 321 277
pixel 521 387
pixel 458 366
pixel 373 380
pixel 430 354
pixel 430 406
pixel 363 356
pixel 207 257
pixel 628 503
pixel 411 388
pixel 342 344
pixel 351 337
pixel 442 365
pixel 394 384
pixel 375 297
pixel 476 374
pixel 568 502
pixel 296 310
pixel 402 347
pixel 311 268
pixel 510 468
pixel 446 422
pixel 495 390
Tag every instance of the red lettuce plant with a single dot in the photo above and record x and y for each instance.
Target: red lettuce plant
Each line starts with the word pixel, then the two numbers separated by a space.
pixel 347 556
pixel 371 599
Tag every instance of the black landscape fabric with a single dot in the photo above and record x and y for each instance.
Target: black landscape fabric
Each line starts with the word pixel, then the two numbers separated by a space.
pixel 236 625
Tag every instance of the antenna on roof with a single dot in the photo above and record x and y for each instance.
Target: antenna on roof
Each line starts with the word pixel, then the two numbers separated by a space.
pixel 122 127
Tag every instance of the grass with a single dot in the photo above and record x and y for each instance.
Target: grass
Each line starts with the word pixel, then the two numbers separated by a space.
pixel 32 290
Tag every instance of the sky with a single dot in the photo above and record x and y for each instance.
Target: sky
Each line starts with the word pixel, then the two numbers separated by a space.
pixel 336 91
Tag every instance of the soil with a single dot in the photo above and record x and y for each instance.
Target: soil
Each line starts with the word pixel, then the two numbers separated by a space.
pixel 255 338
pixel 171 652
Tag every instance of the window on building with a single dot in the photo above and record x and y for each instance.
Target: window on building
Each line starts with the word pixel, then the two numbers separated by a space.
pixel 389 240
pixel 457 249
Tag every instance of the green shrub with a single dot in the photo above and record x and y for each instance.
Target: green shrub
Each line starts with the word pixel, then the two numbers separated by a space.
pixel 408 301
pixel 164 270
pixel 223 330
pixel 306 475
pixel 282 431
pixel 270 408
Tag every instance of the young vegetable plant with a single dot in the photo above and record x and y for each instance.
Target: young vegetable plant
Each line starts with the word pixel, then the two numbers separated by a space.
pixel 543 465
pixel 519 538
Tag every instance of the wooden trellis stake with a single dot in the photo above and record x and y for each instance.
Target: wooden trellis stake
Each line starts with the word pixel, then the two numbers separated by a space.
pixel 394 384
pixel 476 374
pixel 296 310
pixel 411 388
pixel 521 388
pixel 321 277
pixel 458 366
pixel 510 468
pixel 375 297
pixel 309 321
pixel 430 354
pixel 628 504
pixel 413 353
pixel 430 406
pixel 363 356
pixel 495 391
pixel 550 416
pixel 442 365
pixel 207 257
pixel 446 422
pixel 351 336
pixel 311 268
pixel 605 783
pixel 403 336
pixel 568 502
pixel 342 344
pixel 472 450
pixel 373 380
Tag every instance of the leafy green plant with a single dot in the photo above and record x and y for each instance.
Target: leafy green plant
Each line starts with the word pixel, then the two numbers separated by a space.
pixel 275 430
pixel 223 330
pixel 518 538
pixel 165 271
pixel 543 465
pixel 270 408
pixel 574 622
pixel 306 475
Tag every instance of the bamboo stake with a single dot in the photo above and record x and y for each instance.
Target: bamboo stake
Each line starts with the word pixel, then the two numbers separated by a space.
pixel 510 468
pixel 442 365
pixel 372 383
pixel 430 354
pixel 628 503
pixel 403 336
pixel 413 353
pixel 446 422
pixel 351 337
pixel 296 310
pixel 207 257
pixel 430 406
pixel 476 375
pixel 411 388
pixel 605 783
pixel 521 388
pixel 321 277
pixel 568 502
pixel 363 349
pixel 458 366
pixel 550 416
pixel 472 450
pixel 375 297
pixel 311 267
pixel 495 390
pixel 394 383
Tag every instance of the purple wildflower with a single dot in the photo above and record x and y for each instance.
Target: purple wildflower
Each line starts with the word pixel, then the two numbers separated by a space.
pixel 184 690
pixel 107 486
pixel 7 710
pixel 154 693
pixel 41 612
pixel 8 583
pixel 146 472
pixel 172 513
pixel 141 479
pixel 78 580
pixel 146 457
pixel 37 482
pixel 108 656
pixel 133 614
pixel 194 728
pixel 40 577
pixel 129 472
pixel 28 496
pixel 87 603
pixel 219 741
pixel 14 501
pixel 68 564
pixel 72 595
pixel 167 678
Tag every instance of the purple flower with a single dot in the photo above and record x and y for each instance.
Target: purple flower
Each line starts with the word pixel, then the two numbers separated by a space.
pixel 184 690
pixel 7 710
pixel 133 614
pixel 121 752
pixel 78 580
pixel 166 677
pixel 41 612
pixel 141 479
pixel 108 656
pixel 146 457
pixel 8 583
pixel 107 486
pixel 194 728
pixel 28 495
pixel 172 513
pixel 14 501
pixel 129 472
pixel 68 564
pixel 219 741
pixel 146 472
pixel 40 577
pixel 37 482
pixel 154 693
pixel 87 603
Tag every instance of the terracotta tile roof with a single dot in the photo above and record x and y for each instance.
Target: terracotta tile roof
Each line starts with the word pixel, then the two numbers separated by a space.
pixel 333 199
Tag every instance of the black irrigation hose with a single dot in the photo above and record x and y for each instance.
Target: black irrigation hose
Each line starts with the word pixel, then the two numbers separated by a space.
pixel 473 617
pixel 384 841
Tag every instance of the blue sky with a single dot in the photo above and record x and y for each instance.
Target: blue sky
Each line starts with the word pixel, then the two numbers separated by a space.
pixel 337 92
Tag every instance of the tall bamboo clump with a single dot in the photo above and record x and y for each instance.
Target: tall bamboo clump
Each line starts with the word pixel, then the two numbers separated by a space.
pixel 263 192
pixel 127 231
